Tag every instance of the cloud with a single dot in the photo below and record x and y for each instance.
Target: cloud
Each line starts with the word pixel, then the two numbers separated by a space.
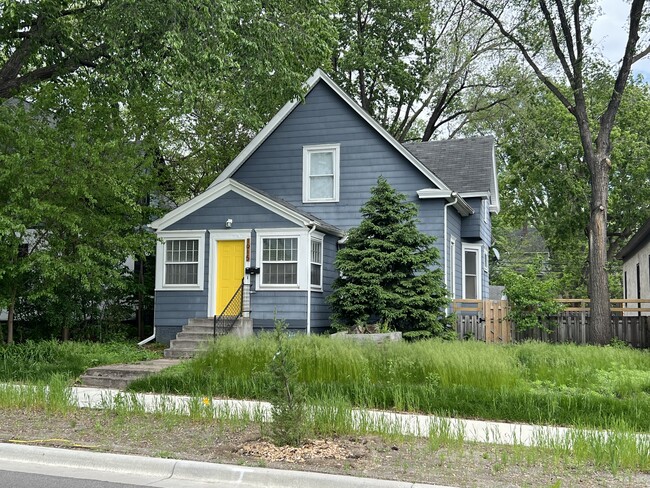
pixel 609 35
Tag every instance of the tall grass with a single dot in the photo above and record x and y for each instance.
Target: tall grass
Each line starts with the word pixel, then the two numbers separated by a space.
pixel 586 386
pixel 40 361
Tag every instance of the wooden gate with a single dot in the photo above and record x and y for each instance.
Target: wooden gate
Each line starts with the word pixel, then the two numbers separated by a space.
pixel 497 326
pixel 484 320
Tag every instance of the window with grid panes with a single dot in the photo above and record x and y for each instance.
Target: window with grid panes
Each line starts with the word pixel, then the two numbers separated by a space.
pixel 280 261
pixel 316 262
pixel 182 262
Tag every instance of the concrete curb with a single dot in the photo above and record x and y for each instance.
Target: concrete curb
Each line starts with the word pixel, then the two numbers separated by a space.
pixel 174 469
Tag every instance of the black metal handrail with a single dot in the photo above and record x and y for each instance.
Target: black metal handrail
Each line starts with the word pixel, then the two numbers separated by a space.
pixel 225 322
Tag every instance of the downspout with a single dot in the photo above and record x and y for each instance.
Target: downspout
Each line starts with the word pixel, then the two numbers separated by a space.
pixel 309 234
pixel 148 339
pixel 453 195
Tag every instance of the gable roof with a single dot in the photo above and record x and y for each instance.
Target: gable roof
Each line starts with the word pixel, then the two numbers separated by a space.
pixel 285 111
pixel 275 205
pixel 465 164
pixel 635 241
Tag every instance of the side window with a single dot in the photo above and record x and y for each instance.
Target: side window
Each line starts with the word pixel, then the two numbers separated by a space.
pixel 471 272
pixel 316 254
pixel 320 174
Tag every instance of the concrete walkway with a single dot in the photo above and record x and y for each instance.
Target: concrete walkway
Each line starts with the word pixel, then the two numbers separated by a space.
pixel 381 421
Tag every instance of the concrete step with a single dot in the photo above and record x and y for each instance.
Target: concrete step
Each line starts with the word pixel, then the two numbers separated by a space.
pixel 195 335
pixel 201 329
pixel 179 353
pixel 120 375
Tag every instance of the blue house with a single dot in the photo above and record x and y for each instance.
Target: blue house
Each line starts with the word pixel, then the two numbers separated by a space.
pixel 276 216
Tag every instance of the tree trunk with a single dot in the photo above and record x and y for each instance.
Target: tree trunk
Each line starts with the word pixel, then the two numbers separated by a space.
pixel 601 330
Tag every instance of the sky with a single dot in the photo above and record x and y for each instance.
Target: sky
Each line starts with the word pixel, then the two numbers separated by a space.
pixel 609 34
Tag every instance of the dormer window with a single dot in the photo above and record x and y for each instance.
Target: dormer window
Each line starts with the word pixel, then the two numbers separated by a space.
pixel 320 173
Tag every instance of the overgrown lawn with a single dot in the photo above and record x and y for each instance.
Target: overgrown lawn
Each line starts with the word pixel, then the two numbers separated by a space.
pixel 36 362
pixel 584 386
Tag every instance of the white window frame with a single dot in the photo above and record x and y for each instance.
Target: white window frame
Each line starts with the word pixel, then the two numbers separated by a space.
pixel 478 249
pixel 452 265
pixel 319 239
pixel 304 257
pixel 278 234
pixel 161 255
pixel 307 151
pixel 486 210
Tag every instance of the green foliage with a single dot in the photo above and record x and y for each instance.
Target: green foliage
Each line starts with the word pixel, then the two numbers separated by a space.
pixel 531 296
pixel 40 361
pixel 286 393
pixel 544 182
pixel 586 386
pixel 389 269
pixel 419 67
pixel 129 102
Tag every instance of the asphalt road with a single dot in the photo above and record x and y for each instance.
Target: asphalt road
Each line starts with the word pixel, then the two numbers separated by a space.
pixel 16 479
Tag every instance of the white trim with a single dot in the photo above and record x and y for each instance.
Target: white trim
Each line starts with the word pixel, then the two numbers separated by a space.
pixel 474 194
pixel 495 204
pixel 452 266
pixel 335 149
pixel 318 237
pixel 463 208
pixel 299 234
pixel 222 235
pixel 319 75
pixel 479 269
pixel 304 257
pixel 485 210
pixel 221 189
pixel 163 237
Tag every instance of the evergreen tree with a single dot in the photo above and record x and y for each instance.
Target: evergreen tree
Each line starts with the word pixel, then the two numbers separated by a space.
pixel 389 269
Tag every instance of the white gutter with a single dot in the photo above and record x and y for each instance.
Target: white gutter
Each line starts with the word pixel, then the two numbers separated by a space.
pixel 309 234
pixel 453 195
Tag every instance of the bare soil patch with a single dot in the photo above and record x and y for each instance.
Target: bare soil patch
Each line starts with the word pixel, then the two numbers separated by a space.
pixel 413 460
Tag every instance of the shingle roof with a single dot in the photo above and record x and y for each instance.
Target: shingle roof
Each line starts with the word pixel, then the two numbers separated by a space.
pixel 465 165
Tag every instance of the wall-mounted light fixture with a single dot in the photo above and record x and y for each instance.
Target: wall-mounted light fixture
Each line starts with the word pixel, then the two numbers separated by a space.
pixel 228 223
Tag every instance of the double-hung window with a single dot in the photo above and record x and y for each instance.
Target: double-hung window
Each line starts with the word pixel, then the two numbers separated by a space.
pixel 321 173
pixel 316 255
pixel 472 272
pixel 180 260
pixel 280 261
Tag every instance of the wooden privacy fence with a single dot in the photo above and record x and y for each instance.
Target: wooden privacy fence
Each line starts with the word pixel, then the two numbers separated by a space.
pixel 487 320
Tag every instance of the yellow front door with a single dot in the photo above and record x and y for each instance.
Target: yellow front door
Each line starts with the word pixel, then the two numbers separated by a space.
pixel 230 272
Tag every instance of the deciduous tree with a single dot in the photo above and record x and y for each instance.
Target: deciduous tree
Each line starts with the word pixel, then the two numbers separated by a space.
pixel 559 31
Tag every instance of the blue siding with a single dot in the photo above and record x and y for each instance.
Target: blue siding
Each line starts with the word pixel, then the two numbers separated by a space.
pixel 292 305
pixel 173 308
pixel 276 166
pixel 244 213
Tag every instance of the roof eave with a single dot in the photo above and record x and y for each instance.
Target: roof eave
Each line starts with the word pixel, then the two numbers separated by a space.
pixel 634 241
pixel 458 201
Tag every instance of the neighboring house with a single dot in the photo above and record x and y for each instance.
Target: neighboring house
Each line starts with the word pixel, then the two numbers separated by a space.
pixel 278 213
pixel 636 267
